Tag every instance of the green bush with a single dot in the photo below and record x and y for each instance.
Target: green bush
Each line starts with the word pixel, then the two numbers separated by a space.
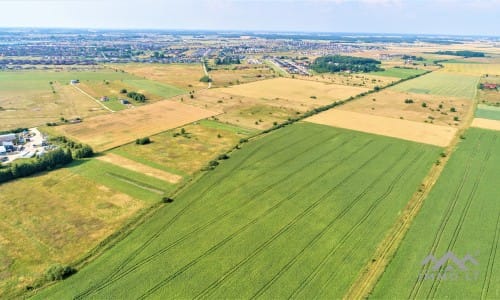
pixel 59 272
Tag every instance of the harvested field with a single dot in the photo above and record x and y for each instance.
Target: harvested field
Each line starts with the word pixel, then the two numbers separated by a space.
pixel 223 76
pixel 257 107
pixel 184 76
pixel 402 129
pixel 294 90
pixel 108 131
pixel 359 80
pixel 486 123
pixel 439 110
pixel 140 168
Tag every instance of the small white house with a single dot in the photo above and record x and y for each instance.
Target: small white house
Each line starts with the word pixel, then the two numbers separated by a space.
pixel 3 151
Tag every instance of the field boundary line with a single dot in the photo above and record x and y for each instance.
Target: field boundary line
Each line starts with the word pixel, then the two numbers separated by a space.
pixel 465 211
pixel 88 95
pixel 371 273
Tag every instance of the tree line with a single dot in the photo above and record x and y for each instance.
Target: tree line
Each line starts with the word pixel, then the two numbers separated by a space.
pixel 48 161
pixel 340 63
pixel 463 53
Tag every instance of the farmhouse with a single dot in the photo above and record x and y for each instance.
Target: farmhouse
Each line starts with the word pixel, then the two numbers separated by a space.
pixel 74 81
pixel 3 151
pixel 9 146
pixel 489 86
pixel 124 101
pixel 7 137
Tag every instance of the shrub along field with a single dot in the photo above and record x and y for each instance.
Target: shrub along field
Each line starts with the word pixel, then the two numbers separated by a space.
pixel 442 84
pixel 185 150
pixel 461 216
pixel 327 196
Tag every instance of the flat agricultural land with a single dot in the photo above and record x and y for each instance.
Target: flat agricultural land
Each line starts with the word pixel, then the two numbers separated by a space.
pixel 325 195
pixel 259 104
pixel 439 110
pixel 223 76
pixel 294 90
pixel 360 80
pixel 183 76
pixel 108 131
pixel 28 99
pixel 461 215
pixel 401 73
pixel 148 87
pixel 486 123
pixel 54 217
pixel 488 112
pixel 140 168
pixel 402 129
pixel 184 154
pixel 441 84
pixel 471 68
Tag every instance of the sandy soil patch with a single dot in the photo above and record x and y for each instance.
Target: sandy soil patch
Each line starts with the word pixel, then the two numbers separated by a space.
pixel 140 168
pixel 486 124
pixel 403 129
pixel 112 130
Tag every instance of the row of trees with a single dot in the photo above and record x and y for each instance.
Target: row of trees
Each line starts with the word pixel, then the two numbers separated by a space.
pixel 227 60
pixel 340 63
pixel 48 161
pixel 463 53
pixel 137 96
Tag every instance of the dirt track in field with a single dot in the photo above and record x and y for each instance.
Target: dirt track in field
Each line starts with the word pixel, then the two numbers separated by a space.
pixel 403 129
pixel 140 168
pixel 112 130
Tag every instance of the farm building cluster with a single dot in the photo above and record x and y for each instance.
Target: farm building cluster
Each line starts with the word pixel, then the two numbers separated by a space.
pixel 25 144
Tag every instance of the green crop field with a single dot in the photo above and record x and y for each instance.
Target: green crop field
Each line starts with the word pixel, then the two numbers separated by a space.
pixel 160 89
pixel 461 216
pixel 132 183
pixel 488 112
pixel 399 72
pixel 298 213
pixel 442 84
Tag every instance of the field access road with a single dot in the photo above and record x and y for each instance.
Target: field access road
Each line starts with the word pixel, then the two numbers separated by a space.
pixel 86 94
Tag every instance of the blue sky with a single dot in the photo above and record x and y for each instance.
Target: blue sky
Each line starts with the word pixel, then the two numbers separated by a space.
pixel 462 17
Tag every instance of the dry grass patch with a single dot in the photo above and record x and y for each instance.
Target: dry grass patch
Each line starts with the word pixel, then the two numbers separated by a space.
pixel 403 129
pixel 33 108
pixel 140 168
pixel 239 74
pixel 108 131
pixel 184 153
pixel 54 218
pixel 359 80
pixel 186 76
pixel 294 90
pixel 486 124
pixel 390 103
